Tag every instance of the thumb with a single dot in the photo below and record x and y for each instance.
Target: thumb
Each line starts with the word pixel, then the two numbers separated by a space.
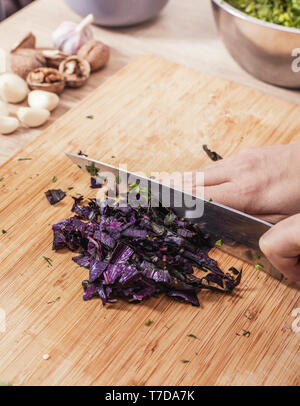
pixel 281 245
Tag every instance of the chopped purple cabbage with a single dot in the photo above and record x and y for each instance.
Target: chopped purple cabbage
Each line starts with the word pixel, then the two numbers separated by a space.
pixel 55 195
pixel 95 184
pixel 135 253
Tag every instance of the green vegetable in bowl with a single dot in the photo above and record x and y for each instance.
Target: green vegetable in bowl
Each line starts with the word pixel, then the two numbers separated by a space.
pixel 283 12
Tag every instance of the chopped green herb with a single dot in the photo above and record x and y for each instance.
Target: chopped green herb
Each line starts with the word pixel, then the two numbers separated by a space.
pixel 282 12
pixel 210 200
pixel 1 179
pixel 259 267
pixel 246 333
pixel 139 190
pixel 4 231
pixel 134 187
pixel 49 260
pixel 145 192
pixel 185 361
pixel 258 257
pixel 148 322
pixel 90 116
pixel 192 336
pixel 70 188
pixel 92 170
pixel 53 301
pixel 169 219
pixel 54 179
pixel 24 159
pixel 218 243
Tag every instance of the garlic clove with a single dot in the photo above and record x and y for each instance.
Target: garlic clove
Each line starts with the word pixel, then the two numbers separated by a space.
pixel 8 124
pixel 13 89
pixel 33 116
pixel 3 109
pixel 42 99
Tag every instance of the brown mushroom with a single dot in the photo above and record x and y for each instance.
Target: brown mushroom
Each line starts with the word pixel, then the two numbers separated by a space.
pixel 48 79
pixel 75 70
pixel 25 60
pixel 28 41
pixel 96 53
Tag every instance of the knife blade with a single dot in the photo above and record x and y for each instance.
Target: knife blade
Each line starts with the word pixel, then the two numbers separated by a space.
pixel 238 232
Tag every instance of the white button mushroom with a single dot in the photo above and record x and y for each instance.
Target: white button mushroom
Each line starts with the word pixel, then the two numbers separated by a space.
pixel 43 100
pixel 32 116
pixel 13 89
pixel 3 109
pixel 8 124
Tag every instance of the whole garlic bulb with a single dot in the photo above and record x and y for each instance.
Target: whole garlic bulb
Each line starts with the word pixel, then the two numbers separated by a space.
pixel 43 100
pixel 32 116
pixel 69 36
pixel 3 109
pixel 8 124
pixel 13 89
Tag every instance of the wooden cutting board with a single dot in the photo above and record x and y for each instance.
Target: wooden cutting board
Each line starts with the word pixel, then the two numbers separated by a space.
pixel 152 115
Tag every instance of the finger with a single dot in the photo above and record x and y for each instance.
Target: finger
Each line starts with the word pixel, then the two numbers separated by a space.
pixel 225 193
pixel 218 173
pixel 281 245
pixel 215 174
pixel 270 218
pixel 182 181
pixel 289 267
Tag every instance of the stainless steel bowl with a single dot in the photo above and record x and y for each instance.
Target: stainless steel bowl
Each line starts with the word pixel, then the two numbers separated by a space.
pixel 117 13
pixel 267 51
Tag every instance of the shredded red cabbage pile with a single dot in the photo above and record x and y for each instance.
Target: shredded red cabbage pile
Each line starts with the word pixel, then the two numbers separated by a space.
pixel 136 252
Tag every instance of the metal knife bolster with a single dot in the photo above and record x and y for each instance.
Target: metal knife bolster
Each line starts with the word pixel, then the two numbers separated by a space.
pixel 239 232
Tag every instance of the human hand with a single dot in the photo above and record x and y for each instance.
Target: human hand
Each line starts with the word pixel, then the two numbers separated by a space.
pixel 281 245
pixel 263 182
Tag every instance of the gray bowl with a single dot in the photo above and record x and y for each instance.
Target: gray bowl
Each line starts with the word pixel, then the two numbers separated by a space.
pixel 267 51
pixel 118 13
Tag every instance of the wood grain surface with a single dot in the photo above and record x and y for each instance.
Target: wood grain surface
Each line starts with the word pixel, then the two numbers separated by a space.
pixel 184 32
pixel 152 115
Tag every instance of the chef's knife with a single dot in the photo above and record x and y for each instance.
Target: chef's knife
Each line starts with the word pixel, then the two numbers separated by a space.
pixel 237 233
